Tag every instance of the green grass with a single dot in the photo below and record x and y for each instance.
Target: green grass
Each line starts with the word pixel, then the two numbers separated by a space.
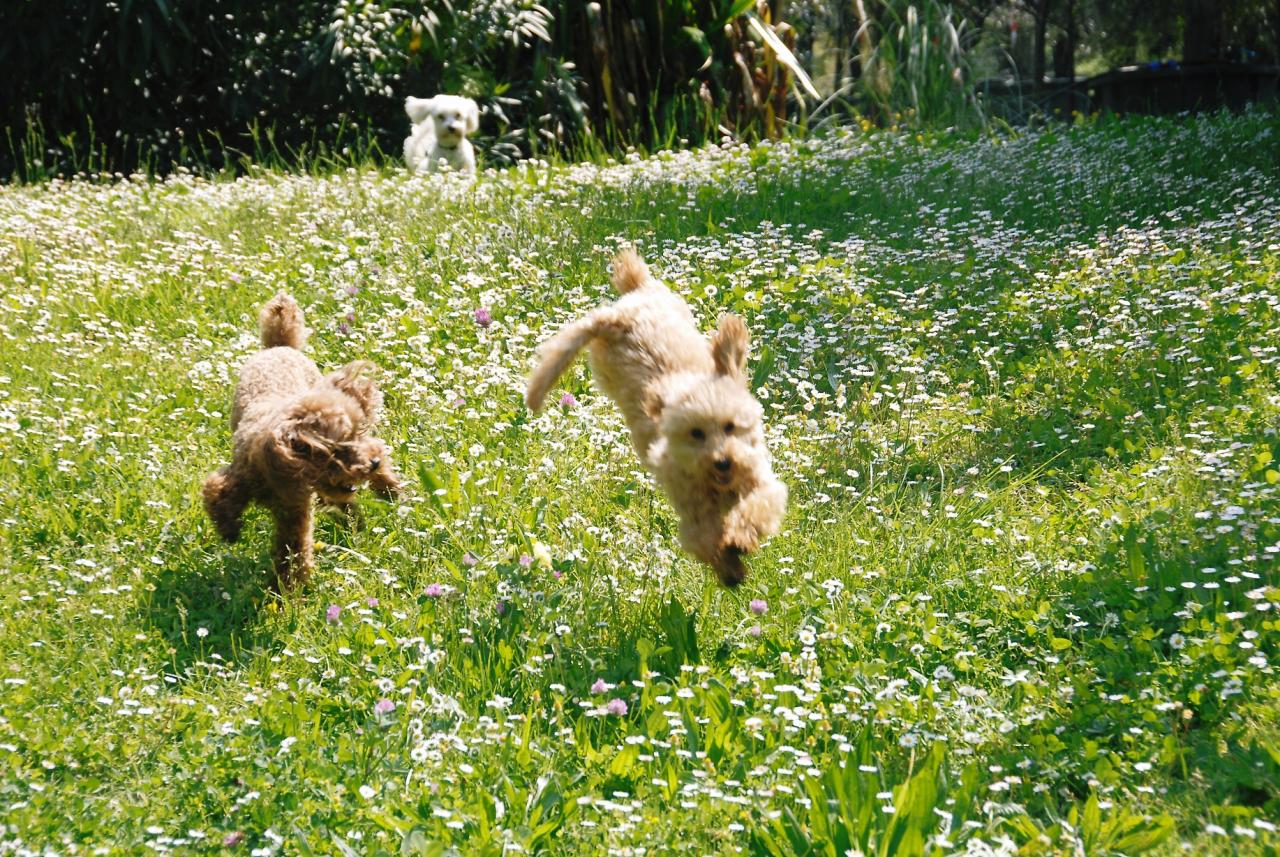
pixel 1023 390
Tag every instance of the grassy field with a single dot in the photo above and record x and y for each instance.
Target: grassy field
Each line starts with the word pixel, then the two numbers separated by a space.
pixel 1027 600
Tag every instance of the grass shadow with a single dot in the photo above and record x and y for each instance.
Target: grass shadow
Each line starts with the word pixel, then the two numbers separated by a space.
pixel 210 610
pixel 1157 678
pixel 1064 414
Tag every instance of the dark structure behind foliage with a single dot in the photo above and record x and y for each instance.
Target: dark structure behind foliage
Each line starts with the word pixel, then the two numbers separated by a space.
pixel 1172 88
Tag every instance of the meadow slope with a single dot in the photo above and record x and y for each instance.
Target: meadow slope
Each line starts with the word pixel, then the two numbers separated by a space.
pixel 1023 389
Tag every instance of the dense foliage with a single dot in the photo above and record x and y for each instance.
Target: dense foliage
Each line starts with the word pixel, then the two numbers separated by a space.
pixel 90 85
pixel 152 82
pixel 116 86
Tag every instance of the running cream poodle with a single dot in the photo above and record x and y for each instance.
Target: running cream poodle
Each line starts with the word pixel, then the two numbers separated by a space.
pixel 694 423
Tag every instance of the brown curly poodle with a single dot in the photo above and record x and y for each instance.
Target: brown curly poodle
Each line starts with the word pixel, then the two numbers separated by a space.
pixel 297 433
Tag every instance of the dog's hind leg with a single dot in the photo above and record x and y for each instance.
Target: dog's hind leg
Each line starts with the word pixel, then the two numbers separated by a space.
pixel 295 548
pixel 559 351
pixel 226 494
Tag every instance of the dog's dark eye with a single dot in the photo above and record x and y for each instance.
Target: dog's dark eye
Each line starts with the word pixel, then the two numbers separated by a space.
pixel 728 428
pixel 698 434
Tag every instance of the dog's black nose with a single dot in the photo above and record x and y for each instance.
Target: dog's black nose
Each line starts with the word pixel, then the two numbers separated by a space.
pixel 373 465
pixel 722 464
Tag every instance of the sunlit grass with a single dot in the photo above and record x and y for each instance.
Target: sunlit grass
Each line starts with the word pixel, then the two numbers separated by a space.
pixel 1024 391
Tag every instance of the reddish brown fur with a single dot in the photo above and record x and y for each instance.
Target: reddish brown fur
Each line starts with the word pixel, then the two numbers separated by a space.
pixel 297 434
pixel 281 323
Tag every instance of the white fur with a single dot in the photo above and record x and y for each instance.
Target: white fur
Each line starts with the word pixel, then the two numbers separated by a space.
pixel 439 132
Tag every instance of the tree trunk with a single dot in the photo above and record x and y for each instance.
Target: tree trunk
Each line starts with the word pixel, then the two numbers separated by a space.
pixel 1202 31
pixel 837 75
pixel 1275 22
pixel 1037 49
pixel 1071 56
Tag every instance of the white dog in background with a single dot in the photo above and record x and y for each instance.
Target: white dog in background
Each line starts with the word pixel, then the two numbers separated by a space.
pixel 440 129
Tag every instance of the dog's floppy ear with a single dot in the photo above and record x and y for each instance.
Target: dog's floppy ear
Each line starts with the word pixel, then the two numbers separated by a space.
pixel 328 414
pixel 353 379
pixel 302 443
pixel 292 448
pixel 418 109
pixel 471 115
pixel 729 346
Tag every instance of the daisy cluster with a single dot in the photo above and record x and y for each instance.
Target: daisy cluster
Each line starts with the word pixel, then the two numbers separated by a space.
pixel 1024 390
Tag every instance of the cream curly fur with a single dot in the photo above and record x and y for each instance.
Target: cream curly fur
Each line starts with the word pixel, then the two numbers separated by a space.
pixel 297 434
pixel 693 422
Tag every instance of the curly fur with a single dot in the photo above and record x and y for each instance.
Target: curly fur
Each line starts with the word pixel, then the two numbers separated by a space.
pixel 693 422
pixel 297 434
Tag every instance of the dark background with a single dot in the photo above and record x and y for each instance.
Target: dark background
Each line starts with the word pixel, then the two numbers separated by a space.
pixel 150 84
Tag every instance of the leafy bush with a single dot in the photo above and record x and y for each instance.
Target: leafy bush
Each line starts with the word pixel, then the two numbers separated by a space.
pixel 919 67
pixel 152 83
pixel 149 83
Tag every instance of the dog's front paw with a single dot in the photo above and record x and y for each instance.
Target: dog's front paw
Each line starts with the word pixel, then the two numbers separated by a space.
pixel 388 489
pixel 729 567
pixel 755 517
pixel 385 482
pixel 741 533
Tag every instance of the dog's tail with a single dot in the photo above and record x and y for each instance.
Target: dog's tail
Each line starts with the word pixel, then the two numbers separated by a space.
pixel 281 323
pixel 629 271
pixel 558 352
